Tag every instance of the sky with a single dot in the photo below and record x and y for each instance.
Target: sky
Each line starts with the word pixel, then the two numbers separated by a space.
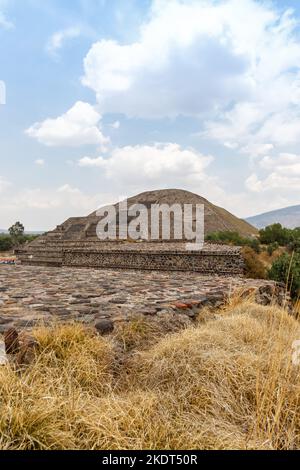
pixel 108 98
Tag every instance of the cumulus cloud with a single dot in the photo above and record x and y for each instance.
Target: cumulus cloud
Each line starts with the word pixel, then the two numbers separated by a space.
pixel 40 162
pixel 269 115
pixel 152 166
pixel 232 65
pixel 257 150
pixel 132 169
pixel 254 184
pixel 43 208
pixel 282 173
pixel 78 126
pixel 58 39
pixel 169 70
pixel 202 58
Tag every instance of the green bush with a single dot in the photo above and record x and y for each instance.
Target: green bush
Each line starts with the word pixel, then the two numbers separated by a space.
pixel 272 247
pixel 233 238
pixel 286 269
pixel 276 233
pixel 255 245
pixel 294 246
pixel 6 243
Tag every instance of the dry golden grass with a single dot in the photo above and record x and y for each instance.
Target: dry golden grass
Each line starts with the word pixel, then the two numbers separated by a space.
pixel 268 260
pixel 141 332
pixel 226 383
pixel 297 308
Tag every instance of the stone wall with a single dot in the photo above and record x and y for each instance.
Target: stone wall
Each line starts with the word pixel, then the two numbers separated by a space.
pixel 212 259
pixel 230 263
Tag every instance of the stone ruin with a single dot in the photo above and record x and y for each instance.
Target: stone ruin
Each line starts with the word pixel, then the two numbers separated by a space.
pixel 75 243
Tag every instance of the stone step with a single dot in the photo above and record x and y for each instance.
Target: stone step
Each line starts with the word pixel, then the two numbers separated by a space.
pixel 41 250
pixel 45 263
pixel 42 253
pixel 41 261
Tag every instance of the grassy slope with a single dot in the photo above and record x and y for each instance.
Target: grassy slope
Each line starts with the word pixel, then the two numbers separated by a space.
pixel 227 383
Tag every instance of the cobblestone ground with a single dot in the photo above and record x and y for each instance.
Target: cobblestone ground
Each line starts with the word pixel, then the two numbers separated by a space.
pixel 31 295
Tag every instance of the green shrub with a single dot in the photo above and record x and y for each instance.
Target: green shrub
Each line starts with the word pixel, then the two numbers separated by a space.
pixel 6 243
pixel 272 247
pixel 255 245
pixel 276 233
pixel 233 238
pixel 294 246
pixel 286 269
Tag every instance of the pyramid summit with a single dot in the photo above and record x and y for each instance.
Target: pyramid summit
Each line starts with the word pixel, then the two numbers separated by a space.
pixel 75 242
pixel 215 218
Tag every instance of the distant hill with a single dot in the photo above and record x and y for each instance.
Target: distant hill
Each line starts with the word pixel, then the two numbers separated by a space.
pixel 288 217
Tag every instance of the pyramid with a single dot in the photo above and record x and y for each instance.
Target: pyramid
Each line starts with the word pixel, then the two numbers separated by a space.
pixel 75 242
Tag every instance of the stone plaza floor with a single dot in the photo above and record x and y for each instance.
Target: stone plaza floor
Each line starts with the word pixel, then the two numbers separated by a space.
pixel 33 295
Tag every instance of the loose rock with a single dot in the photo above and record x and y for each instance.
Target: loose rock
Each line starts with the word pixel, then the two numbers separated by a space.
pixel 104 327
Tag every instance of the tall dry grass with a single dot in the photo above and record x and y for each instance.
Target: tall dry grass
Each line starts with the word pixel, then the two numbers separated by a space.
pixel 225 383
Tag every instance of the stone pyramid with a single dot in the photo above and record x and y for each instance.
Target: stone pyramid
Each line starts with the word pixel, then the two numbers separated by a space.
pixel 75 242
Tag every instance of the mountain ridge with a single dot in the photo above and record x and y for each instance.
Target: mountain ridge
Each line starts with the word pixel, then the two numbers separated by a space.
pixel 288 217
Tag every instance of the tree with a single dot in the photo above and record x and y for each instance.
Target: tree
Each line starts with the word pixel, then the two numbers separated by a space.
pixel 255 245
pixel 286 269
pixel 294 245
pixel 16 232
pixel 272 247
pixel 5 243
pixel 276 233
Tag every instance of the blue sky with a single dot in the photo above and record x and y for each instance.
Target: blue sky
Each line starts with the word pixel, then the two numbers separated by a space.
pixel 109 98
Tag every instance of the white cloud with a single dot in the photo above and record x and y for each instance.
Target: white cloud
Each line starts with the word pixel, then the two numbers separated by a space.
pixel 257 150
pixel 4 184
pixel 203 58
pixel 40 162
pixel 131 170
pixel 284 159
pixel 169 70
pixel 91 162
pixel 5 23
pixel 199 58
pixel 78 126
pixel 270 114
pixel 134 169
pixel 152 166
pixel 44 208
pixel 283 173
pixel 231 145
pixel 57 40
pixel 253 183
pixel 116 125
